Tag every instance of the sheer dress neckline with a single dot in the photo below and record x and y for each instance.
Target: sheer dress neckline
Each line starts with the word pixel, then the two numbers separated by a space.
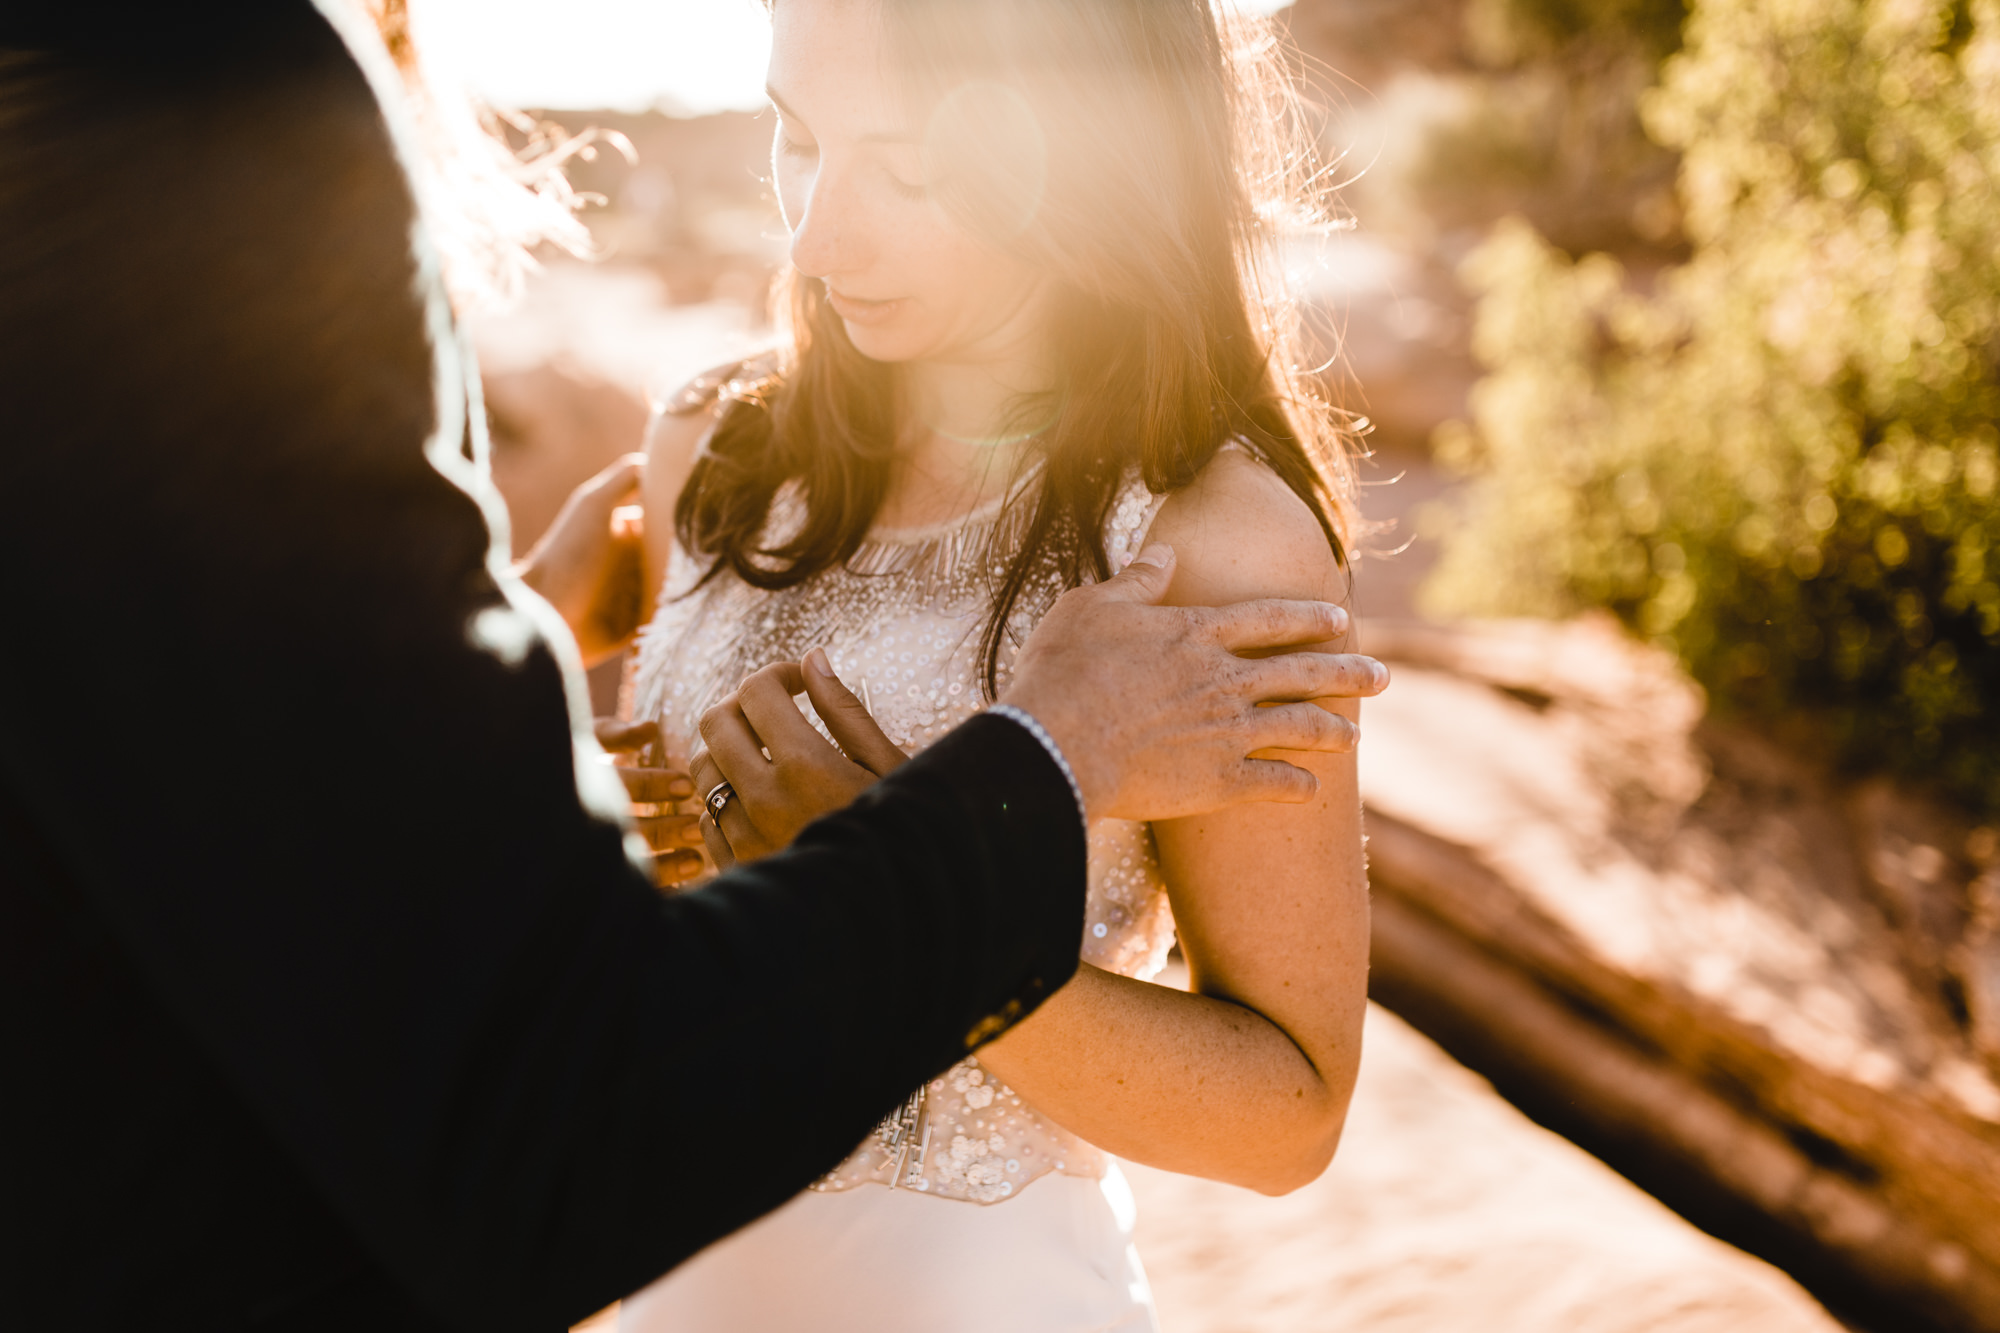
pixel 982 515
pixel 979 515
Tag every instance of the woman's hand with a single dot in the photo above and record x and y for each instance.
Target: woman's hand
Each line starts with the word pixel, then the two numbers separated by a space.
pixel 803 776
pixel 590 564
pixel 674 837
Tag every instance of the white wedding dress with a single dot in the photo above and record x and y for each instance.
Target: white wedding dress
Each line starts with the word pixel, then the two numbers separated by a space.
pixel 967 1212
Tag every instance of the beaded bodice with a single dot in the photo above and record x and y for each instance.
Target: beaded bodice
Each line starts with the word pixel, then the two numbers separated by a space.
pixel 901 623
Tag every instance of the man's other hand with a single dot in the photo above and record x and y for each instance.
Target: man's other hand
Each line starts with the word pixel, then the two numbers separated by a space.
pixel 590 563
pixel 655 794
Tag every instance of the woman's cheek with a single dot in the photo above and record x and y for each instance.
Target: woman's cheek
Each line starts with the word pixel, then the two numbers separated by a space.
pixel 932 254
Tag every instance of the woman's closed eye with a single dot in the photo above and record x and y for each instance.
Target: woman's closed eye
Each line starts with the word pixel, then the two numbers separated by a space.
pixel 791 148
pixel 909 190
pixel 902 163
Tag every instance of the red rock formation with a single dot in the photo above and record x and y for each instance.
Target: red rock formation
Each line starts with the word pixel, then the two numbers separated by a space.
pixel 1694 946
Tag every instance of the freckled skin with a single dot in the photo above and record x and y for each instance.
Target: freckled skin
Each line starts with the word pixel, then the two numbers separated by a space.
pixel 1246 1078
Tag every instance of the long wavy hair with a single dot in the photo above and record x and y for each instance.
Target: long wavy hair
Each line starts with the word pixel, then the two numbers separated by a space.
pixel 1149 156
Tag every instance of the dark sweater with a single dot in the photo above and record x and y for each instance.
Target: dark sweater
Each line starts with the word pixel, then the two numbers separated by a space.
pixel 323 1003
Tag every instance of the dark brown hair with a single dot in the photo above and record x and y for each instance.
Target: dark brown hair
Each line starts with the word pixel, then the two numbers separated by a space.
pixel 1148 155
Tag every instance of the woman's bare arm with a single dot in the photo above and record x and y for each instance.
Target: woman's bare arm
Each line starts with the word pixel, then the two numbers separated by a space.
pixel 673 441
pixel 1247 1078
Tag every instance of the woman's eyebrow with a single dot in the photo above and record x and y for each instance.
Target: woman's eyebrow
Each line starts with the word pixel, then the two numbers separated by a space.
pixel 879 137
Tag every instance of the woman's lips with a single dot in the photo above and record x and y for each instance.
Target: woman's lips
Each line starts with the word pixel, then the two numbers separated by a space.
pixel 857 311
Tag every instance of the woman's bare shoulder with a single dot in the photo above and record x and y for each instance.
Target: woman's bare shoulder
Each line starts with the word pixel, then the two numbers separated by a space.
pixel 675 435
pixel 679 425
pixel 1240 532
pixel 674 438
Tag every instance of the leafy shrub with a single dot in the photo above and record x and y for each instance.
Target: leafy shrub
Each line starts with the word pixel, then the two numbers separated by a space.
pixel 1779 458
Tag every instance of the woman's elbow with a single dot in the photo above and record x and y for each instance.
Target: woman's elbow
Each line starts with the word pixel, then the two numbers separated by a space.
pixel 1304 1168
pixel 1308 1151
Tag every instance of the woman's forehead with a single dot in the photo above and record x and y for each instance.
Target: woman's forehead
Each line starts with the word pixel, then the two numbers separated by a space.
pixel 829 70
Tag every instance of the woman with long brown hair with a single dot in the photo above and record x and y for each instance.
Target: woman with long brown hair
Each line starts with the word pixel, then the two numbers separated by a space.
pixel 1034 325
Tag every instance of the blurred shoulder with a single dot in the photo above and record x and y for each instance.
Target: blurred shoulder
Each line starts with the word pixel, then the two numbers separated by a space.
pixel 674 438
pixel 1240 532
pixel 688 416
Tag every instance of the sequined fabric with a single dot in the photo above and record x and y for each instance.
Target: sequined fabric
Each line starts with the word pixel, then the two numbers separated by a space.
pixel 901 624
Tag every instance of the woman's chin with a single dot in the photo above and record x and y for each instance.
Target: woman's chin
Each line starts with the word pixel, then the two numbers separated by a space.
pixel 880 342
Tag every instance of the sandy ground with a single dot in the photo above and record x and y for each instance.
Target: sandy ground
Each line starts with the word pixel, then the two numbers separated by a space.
pixel 1446 1210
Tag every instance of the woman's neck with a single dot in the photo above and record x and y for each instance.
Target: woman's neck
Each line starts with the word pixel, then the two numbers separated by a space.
pixel 962 433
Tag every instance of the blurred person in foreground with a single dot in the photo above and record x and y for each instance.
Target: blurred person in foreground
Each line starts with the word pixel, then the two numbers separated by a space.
pixel 330 996
pixel 1034 324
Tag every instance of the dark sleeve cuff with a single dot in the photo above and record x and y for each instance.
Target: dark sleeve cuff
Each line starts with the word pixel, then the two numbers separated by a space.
pixel 1033 726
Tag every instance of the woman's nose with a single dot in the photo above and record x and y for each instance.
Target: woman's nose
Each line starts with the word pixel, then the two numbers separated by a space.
pixel 825 236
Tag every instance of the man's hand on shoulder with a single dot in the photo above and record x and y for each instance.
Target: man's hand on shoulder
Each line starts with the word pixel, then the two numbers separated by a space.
pixel 1160 708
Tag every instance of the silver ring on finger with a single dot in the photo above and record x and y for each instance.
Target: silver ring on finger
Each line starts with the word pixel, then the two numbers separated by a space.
pixel 720 795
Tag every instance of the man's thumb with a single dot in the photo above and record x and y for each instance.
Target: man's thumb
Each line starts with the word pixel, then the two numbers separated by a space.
pixel 619 737
pixel 1150 573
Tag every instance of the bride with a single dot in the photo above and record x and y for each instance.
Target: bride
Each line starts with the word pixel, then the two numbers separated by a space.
pixel 1032 328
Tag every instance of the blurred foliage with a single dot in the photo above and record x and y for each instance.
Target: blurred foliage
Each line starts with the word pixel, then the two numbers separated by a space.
pixel 1782 460
pixel 1550 129
pixel 1511 29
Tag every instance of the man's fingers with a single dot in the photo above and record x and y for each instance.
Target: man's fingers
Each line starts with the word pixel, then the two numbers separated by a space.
pixel 1273 780
pixel 655 786
pixel 619 737
pixel 675 867
pixel 1305 675
pixel 853 727
pixel 643 786
pixel 1145 580
pixel 1302 726
pixel 1274 622
pixel 666 833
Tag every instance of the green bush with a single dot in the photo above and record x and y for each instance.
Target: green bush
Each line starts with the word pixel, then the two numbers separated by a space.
pixel 1779 458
